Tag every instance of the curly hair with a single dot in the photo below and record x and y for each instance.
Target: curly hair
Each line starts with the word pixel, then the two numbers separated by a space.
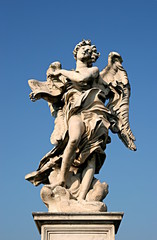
pixel 95 54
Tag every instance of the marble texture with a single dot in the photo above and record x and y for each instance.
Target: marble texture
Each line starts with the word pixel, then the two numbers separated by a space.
pixel 60 200
pixel 74 226
pixel 87 104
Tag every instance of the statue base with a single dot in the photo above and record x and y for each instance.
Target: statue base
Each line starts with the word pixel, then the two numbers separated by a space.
pixel 76 226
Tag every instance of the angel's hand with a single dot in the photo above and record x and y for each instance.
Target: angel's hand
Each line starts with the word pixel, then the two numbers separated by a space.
pixel 55 73
pixel 51 72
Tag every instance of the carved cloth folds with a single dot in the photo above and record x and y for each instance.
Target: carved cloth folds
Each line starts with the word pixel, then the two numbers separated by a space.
pixel 89 104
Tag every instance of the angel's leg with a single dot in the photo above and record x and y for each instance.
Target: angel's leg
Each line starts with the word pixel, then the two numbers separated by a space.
pixel 87 177
pixel 76 129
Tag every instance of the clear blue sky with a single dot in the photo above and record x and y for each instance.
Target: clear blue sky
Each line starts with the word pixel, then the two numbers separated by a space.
pixel 36 33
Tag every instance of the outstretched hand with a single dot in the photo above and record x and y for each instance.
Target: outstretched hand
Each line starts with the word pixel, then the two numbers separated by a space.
pixel 55 73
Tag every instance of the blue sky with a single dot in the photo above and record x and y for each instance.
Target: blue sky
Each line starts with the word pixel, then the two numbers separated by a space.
pixel 36 33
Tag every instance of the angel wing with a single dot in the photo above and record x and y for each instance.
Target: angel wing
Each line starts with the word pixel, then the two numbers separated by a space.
pixel 115 77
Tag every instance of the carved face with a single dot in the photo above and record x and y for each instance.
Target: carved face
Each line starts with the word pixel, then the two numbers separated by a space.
pixel 84 53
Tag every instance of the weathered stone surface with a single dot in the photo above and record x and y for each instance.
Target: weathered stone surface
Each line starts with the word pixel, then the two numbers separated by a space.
pixel 77 100
pixel 75 226
pixel 59 200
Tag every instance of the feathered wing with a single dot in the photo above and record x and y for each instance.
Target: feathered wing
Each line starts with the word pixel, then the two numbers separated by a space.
pixel 116 78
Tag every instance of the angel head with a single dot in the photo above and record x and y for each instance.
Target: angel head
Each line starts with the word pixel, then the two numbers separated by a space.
pixel 84 51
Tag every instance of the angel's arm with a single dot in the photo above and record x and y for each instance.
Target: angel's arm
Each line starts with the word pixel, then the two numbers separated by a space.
pixel 78 76
pixel 72 75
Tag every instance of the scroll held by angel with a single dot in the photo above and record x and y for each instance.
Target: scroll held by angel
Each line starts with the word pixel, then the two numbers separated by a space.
pixel 77 99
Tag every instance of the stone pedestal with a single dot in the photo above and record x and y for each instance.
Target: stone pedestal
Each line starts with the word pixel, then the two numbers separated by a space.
pixel 78 226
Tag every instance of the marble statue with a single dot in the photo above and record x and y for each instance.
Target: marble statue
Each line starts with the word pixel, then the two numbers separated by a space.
pixel 86 104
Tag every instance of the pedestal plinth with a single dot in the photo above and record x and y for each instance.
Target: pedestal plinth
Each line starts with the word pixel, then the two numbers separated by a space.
pixel 78 226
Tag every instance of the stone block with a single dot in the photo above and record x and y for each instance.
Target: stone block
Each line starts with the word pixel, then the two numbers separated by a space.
pixel 78 226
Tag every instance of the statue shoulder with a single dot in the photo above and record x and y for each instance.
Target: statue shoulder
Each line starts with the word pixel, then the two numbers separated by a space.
pixel 94 71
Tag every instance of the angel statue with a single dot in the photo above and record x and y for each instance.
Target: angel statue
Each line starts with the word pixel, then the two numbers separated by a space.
pixel 77 99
